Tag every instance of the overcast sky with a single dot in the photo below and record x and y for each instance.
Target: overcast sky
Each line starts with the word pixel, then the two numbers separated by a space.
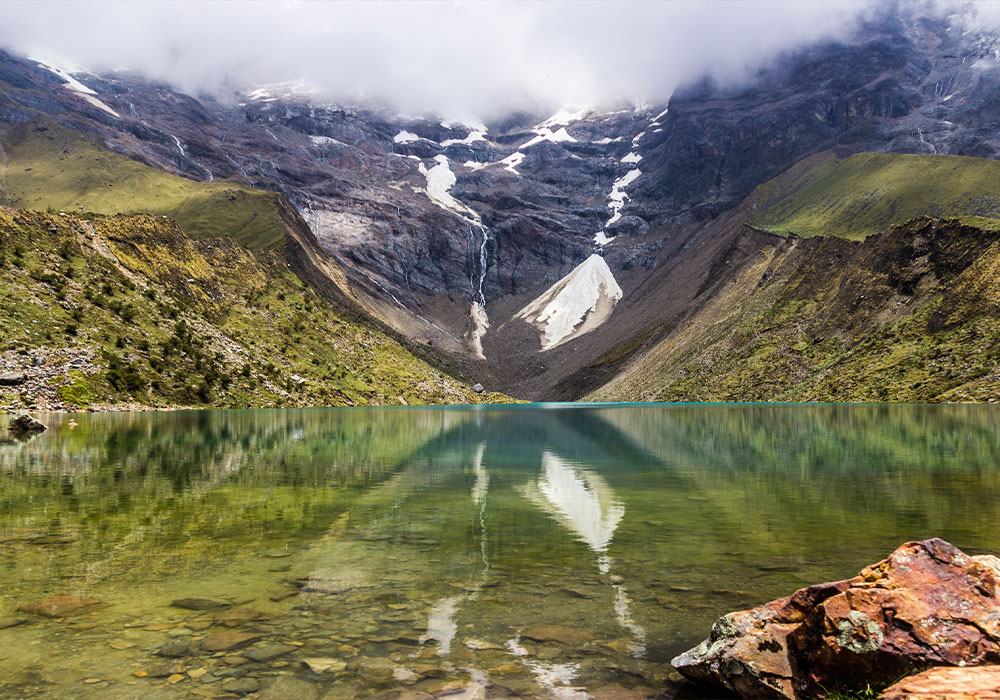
pixel 460 59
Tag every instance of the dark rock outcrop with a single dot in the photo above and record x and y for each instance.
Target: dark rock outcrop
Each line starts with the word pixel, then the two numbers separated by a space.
pixel 928 604
pixel 24 423
pixel 12 378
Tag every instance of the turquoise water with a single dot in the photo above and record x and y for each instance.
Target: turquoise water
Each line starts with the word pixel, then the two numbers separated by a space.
pixel 532 551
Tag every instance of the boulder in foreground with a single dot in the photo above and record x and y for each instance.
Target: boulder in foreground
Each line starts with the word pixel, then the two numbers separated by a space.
pixel 928 604
pixel 948 683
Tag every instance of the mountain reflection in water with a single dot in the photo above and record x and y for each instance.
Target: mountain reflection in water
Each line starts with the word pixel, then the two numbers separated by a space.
pixel 547 550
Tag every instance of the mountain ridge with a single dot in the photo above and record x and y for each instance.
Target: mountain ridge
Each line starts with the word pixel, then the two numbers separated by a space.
pixel 445 234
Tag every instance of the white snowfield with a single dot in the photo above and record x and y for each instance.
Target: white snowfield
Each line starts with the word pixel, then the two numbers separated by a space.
pixel 472 137
pixel 577 304
pixel 325 141
pixel 546 134
pixel 75 85
pixel 480 324
pixel 405 137
pixel 564 117
pixel 618 195
pixel 512 161
pixel 616 200
pixel 272 92
pixel 440 179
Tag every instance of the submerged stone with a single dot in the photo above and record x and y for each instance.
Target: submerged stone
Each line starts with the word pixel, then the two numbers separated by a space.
pixel 227 640
pixel 266 653
pixel 320 665
pixel 557 633
pixel 60 606
pixel 241 686
pixel 289 688
pixel 199 604
pixel 175 650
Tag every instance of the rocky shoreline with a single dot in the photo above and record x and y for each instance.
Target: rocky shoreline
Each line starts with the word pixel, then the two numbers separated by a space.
pixel 922 623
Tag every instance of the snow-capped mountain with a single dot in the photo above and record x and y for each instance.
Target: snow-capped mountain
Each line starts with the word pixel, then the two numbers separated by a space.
pixel 528 250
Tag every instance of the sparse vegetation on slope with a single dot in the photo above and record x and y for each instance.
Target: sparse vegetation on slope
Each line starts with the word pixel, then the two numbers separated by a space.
pixel 912 314
pixel 120 309
pixel 869 192
pixel 53 168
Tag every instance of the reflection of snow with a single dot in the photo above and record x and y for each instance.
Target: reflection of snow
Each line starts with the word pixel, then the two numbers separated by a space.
pixel 482 478
pixel 580 500
pixel 585 504
pixel 623 615
pixel 555 678
pixel 577 304
pixel 441 626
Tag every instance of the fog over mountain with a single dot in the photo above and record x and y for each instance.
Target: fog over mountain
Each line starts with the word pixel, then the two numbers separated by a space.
pixel 460 59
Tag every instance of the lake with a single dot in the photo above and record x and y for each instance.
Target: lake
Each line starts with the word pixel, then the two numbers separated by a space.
pixel 541 551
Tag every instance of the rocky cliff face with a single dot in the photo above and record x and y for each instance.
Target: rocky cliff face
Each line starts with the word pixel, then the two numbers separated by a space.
pixel 459 236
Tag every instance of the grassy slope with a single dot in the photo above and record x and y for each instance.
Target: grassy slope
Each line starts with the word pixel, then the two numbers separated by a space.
pixel 122 286
pixel 912 314
pixel 869 192
pixel 51 167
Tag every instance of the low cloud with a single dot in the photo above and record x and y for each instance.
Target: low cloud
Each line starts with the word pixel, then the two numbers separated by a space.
pixel 460 59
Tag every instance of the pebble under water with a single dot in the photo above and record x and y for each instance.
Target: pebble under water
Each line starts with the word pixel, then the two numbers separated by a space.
pixel 543 551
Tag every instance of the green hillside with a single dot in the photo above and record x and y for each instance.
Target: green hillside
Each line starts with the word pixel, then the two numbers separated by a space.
pixel 50 167
pixel 869 192
pixel 127 309
pixel 911 314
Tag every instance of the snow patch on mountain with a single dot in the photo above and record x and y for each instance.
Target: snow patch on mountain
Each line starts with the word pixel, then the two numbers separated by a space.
pixel 272 92
pixel 564 117
pixel 440 179
pixel 472 137
pixel 325 141
pixel 405 137
pixel 480 324
pixel 618 195
pixel 577 304
pixel 546 134
pixel 75 85
pixel 512 161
